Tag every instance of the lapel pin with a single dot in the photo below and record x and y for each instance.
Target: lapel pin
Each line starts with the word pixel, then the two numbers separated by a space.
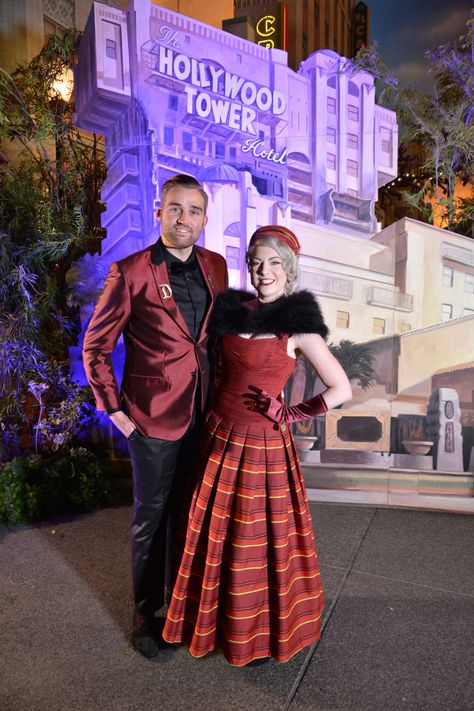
pixel 166 292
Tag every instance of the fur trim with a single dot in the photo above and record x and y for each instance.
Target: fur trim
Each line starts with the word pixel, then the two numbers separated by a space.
pixel 297 313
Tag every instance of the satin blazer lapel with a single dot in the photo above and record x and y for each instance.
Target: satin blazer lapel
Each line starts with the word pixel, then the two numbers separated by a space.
pixel 206 270
pixel 165 295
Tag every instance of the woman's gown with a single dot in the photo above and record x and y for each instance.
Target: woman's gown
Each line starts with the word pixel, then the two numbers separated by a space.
pixel 249 579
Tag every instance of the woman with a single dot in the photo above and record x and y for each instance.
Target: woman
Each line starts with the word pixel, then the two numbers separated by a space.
pixel 249 578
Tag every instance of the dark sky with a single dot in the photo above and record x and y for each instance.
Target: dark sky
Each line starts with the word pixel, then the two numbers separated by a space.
pixel 405 29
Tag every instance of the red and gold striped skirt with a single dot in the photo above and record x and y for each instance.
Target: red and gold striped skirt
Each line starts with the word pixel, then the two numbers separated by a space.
pixel 249 579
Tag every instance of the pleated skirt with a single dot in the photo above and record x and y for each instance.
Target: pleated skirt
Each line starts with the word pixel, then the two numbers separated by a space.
pixel 249 580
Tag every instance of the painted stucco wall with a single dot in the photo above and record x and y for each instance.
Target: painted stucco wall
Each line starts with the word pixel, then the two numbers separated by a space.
pixel 306 149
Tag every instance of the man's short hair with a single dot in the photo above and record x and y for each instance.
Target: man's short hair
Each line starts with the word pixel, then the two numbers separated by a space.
pixel 183 181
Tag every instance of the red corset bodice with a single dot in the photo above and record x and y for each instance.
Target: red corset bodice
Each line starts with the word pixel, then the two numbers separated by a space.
pixel 263 362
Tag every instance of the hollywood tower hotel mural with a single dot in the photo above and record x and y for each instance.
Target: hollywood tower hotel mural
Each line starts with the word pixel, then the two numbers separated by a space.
pixel 308 150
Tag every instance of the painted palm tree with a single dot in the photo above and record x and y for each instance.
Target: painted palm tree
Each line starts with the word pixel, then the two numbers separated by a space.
pixel 356 360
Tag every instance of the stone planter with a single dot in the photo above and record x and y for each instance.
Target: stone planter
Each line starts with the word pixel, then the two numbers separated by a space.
pixel 304 443
pixel 416 446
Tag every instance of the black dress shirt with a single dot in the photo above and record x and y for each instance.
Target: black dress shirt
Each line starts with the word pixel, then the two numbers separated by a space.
pixel 188 286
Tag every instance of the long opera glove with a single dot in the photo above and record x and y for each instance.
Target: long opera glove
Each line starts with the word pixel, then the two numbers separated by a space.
pixel 278 412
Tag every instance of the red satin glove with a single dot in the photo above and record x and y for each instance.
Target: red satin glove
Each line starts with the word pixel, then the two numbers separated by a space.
pixel 268 405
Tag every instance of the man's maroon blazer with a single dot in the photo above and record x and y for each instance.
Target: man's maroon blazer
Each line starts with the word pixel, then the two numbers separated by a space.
pixel 163 360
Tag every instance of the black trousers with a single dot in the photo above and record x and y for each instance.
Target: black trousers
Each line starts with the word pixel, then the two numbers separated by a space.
pixel 162 473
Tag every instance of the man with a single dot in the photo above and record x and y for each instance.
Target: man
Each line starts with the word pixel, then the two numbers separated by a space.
pixel 160 299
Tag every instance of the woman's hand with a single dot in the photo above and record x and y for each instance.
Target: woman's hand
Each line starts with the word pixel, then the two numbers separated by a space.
pixel 261 401
pixel 268 405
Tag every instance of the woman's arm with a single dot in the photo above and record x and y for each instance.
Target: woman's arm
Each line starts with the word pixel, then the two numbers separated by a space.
pixel 327 367
pixel 338 389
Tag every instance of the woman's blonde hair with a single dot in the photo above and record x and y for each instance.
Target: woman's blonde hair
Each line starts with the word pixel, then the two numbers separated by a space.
pixel 290 260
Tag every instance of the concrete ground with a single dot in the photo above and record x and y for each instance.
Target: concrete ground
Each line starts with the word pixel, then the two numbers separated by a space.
pixel 398 634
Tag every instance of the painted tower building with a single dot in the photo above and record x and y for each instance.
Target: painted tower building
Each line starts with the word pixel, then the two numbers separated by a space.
pixel 308 150
pixel 171 94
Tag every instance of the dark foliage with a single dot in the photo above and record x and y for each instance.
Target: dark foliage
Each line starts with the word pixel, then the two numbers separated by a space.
pixel 49 216
pixel 32 488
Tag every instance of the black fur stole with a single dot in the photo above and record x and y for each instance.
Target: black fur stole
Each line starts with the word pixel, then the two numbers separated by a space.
pixel 296 313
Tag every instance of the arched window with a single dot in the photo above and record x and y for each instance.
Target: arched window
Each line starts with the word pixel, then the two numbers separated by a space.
pixel 353 89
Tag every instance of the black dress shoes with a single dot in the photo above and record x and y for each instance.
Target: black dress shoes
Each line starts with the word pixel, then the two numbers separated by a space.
pixel 147 635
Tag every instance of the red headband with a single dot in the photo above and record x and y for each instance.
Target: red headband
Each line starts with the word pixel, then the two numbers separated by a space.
pixel 280 232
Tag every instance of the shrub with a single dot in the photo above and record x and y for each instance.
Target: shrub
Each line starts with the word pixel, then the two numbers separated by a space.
pixel 32 489
pixel 20 490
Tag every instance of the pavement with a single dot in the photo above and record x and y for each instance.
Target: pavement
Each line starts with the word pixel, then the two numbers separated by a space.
pixel 398 632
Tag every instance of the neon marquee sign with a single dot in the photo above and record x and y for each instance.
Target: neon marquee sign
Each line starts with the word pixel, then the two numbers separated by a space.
pixel 270 24
pixel 265 28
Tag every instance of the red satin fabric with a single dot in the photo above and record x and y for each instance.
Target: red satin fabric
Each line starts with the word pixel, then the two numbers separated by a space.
pixel 249 579
pixel 163 361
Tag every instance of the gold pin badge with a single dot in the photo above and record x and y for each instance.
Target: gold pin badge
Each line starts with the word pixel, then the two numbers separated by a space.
pixel 166 292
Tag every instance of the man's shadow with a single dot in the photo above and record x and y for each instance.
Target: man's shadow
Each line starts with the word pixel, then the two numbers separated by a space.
pixel 97 546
